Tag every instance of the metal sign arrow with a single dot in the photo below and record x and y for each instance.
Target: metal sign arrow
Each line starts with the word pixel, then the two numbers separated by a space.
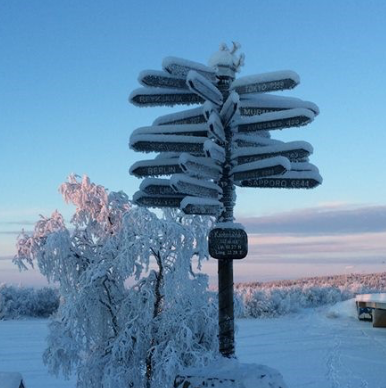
pixel 189 116
pixel 154 186
pixel 161 79
pixel 201 167
pixel 294 151
pixel 195 187
pixel 181 67
pixel 203 87
pixel 216 129
pixel 275 120
pixel 143 199
pixel 201 206
pixel 168 143
pixel 265 103
pixel 155 167
pixel 267 167
pixel 214 151
pixel 289 180
pixel 163 97
pixel 229 108
pixel 200 130
pixel 267 82
pixel 254 140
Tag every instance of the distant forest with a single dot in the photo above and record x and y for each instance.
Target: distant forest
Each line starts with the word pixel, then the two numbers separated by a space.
pixel 252 300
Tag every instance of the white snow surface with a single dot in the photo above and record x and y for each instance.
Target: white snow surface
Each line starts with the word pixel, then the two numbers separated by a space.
pixel 299 175
pixel 266 77
pixel 269 162
pixel 181 67
pixel 280 115
pixel 178 116
pixel 10 379
pixel 275 148
pixel 170 129
pixel 316 348
pixel 303 166
pixel 273 101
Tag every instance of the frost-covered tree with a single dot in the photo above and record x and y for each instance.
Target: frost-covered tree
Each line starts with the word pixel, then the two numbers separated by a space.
pixel 132 311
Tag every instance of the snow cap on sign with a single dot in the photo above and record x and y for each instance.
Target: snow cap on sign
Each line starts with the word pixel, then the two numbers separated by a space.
pixel 181 67
pixel 265 163
pixel 265 100
pixel 183 115
pixel 226 58
pixel 303 166
pixel 266 77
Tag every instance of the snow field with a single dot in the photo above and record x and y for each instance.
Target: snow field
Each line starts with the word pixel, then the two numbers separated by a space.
pixel 316 348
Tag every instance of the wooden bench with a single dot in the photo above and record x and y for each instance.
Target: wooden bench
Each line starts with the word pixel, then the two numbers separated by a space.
pixel 372 307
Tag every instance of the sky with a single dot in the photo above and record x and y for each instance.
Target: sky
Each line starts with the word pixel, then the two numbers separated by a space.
pixel 68 67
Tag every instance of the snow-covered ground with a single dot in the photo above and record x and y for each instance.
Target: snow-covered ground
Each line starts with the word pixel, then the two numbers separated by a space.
pixel 322 348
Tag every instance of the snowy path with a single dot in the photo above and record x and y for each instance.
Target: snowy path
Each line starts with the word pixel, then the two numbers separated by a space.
pixel 309 349
pixel 312 350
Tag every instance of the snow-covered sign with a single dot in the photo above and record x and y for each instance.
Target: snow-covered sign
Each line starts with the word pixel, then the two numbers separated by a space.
pixel 216 128
pixel 163 97
pixel 161 79
pixel 200 167
pixel 144 199
pixel 194 186
pixel 225 142
pixel 267 167
pixel 294 151
pixel 189 116
pixel 155 167
pixel 275 120
pixel 168 143
pixel 181 67
pixel 289 180
pixel 203 87
pixel 178 129
pixel 228 241
pixel 214 151
pixel 267 82
pixel 154 186
pixel 229 108
pixel 201 206
pixel 11 380
pixel 265 103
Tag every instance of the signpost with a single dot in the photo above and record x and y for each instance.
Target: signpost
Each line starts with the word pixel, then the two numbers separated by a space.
pixel 223 143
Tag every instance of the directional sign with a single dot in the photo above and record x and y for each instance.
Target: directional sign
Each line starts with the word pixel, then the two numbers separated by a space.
pixel 254 140
pixel 181 67
pixel 168 143
pixel 208 108
pixel 303 166
pixel 265 103
pixel 156 167
pixel 203 87
pixel 214 151
pixel 201 206
pixel 267 82
pixel 161 79
pixel 275 120
pixel 154 186
pixel 163 97
pixel 267 167
pixel 143 199
pixel 229 108
pixel 216 129
pixel 289 180
pixel 196 187
pixel 228 243
pixel 189 116
pixel 179 129
pixel 200 166
pixel 294 151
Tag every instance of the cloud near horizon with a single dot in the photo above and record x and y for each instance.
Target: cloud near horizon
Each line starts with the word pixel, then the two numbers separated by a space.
pixel 319 221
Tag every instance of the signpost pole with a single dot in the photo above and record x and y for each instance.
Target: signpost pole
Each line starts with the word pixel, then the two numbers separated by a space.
pixel 225 266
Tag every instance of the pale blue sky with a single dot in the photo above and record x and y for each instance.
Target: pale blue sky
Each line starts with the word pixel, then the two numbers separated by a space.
pixel 67 68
